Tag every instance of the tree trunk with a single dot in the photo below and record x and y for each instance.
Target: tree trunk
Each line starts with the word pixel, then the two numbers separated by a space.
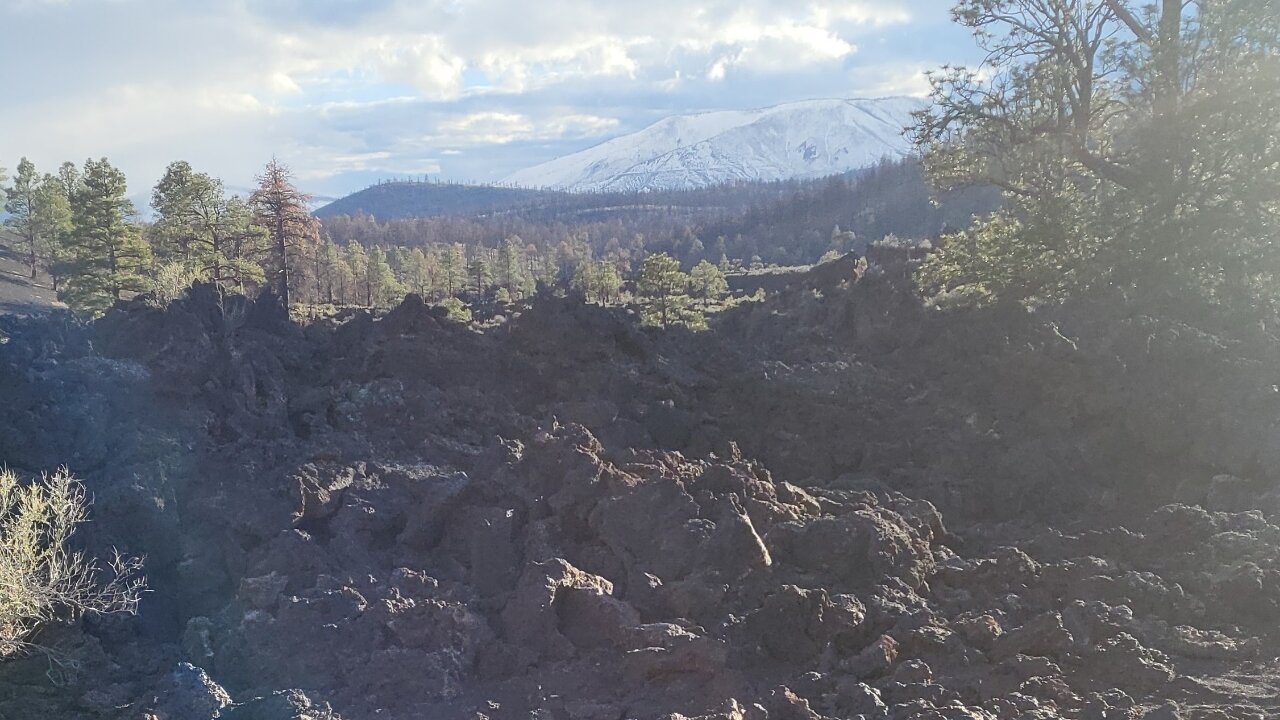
pixel 283 249
pixel 31 241
pixel 113 266
pixel 1166 55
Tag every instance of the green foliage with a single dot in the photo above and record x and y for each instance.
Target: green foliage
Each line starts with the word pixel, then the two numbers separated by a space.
pixel 479 272
pixel 20 204
pixel 598 281
pixel 456 310
pixel 51 215
pixel 383 290
pixel 42 580
pixel 39 214
pixel 1035 250
pixel 786 223
pixel 69 179
pixel 420 272
pixel 1138 152
pixel 107 257
pixel 665 288
pixel 708 282
pixel 452 269
pixel 513 269
pixel 171 280
pixel 330 274
pixel 358 267
pixel 212 235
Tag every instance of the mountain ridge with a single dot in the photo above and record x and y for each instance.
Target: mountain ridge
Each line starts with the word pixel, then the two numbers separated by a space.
pixel 805 139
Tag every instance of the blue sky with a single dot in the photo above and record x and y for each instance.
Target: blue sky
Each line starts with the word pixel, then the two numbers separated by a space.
pixel 348 91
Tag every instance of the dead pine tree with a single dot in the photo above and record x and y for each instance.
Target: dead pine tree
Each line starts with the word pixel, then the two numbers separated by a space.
pixel 282 209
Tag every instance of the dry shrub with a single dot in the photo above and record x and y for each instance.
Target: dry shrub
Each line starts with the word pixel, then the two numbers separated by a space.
pixel 43 580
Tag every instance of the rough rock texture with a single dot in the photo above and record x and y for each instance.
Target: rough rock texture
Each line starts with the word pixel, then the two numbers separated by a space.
pixel 569 517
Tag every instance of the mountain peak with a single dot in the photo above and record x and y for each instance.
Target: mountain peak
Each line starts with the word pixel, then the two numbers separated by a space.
pixel 805 139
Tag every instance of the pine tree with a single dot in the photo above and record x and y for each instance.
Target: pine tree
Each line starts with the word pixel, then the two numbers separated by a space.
pixel 708 282
pixel 328 269
pixel 452 270
pixel 212 235
pixel 512 271
pixel 174 200
pixel 584 283
pixel 40 215
pixel 598 280
pixel 69 179
pixel 21 206
pixel 400 258
pixel 358 264
pixel 108 257
pixel 420 273
pixel 547 271
pixel 52 215
pixel 282 209
pixel 479 272
pixel 246 245
pixel 344 280
pixel 383 290
pixel 666 287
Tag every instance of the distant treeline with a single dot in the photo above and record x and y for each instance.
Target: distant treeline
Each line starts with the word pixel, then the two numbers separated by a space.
pixel 78 228
pixel 781 223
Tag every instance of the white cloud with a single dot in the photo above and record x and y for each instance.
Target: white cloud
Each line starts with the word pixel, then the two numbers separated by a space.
pixel 384 162
pixel 424 62
pixel 340 87
pixel 886 80
pixel 499 128
pixel 486 128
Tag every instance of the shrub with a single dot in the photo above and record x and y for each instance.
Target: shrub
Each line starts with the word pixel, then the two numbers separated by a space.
pixel 456 310
pixel 171 282
pixel 42 579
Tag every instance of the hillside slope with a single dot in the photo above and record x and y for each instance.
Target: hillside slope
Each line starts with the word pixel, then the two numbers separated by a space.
pixel 18 294
pixel 807 139
pixel 396 200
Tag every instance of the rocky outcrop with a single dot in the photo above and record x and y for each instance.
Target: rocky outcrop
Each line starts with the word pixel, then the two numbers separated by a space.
pixel 569 517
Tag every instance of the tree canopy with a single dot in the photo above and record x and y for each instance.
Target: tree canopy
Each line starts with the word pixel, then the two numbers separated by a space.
pixel 214 236
pixel 666 289
pixel 1136 147
pixel 107 256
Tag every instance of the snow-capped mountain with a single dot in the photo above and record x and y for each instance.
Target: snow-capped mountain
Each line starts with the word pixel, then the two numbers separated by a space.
pixel 808 139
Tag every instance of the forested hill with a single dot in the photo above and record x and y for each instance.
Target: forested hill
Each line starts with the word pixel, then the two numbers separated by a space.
pixel 400 200
pixel 404 199
pixel 786 223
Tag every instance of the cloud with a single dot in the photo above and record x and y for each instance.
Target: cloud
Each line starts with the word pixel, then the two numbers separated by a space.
pixel 343 89
pixel 426 63
pixel 381 162
pixel 487 128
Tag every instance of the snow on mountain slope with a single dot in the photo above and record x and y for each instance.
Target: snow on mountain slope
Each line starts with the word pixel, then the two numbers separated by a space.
pixel 806 139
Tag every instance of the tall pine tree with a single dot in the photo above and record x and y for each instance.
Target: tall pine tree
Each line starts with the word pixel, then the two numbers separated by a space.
pixel 282 209
pixel 212 235
pixel 108 258
pixel 51 214
pixel 21 206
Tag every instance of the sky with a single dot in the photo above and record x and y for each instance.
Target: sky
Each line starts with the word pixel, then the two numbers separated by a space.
pixel 347 92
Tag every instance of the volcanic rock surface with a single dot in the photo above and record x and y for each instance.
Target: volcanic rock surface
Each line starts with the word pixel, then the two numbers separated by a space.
pixel 834 504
